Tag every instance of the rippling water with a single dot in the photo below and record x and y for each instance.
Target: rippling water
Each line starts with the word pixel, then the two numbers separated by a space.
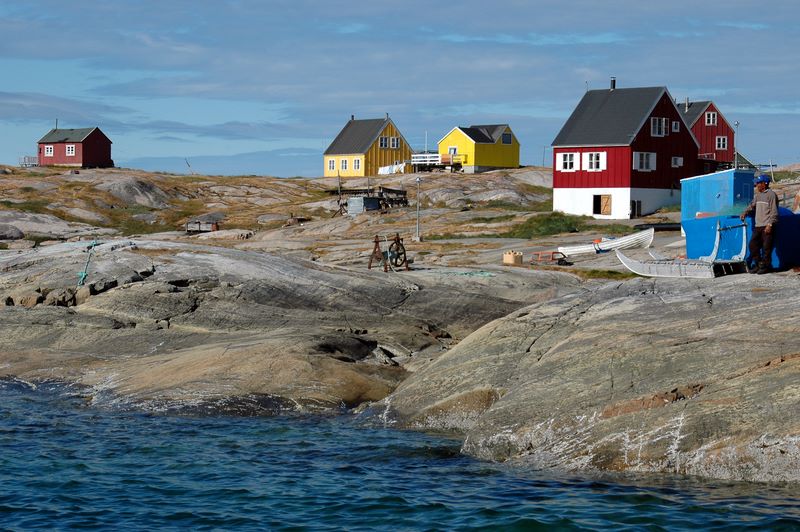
pixel 64 464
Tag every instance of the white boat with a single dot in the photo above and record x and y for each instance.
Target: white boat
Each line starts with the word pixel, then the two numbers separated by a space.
pixel 686 268
pixel 642 239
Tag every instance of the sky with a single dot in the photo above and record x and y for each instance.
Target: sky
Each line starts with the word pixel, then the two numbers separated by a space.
pixel 260 87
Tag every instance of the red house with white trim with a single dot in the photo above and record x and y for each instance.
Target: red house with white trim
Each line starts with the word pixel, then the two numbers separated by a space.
pixel 715 135
pixel 622 153
pixel 84 148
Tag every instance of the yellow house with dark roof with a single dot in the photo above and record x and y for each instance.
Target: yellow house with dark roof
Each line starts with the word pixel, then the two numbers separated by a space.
pixel 364 146
pixel 482 148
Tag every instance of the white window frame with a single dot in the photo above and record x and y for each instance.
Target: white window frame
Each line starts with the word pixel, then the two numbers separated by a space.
pixel 383 142
pixel 343 165
pixel 677 162
pixel 452 150
pixel 394 142
pixel 659 127
pixel 357 164
pixel 70 150
pixel 676 126
pixel 593 161
pixel 331 164
pixel 711 118
pixel 48 150
pixel 644 161
pixel 569 161
pixel 722 142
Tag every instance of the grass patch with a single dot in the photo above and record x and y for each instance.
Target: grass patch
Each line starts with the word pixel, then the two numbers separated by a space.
pixel 671 208
pixel 604 274
pixel 553 223
pixel 784 175
pixel 3 245
pixel 492 219
pixel 612 229
pixel 34 206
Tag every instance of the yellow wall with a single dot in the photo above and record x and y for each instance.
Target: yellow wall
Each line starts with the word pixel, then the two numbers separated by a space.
pixel 373 159
pixel 337 165
pixel 497 155
pixel 464 145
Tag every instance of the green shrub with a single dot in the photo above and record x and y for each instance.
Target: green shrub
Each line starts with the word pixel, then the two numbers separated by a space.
pixel 548 224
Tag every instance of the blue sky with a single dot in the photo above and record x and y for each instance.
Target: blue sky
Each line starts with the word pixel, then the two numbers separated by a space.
pixel 262 87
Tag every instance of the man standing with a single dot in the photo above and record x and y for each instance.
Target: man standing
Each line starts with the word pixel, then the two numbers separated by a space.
pixel 765 208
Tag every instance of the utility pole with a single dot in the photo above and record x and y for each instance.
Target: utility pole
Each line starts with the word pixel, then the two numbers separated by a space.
pixel 418 237
pixel 735 149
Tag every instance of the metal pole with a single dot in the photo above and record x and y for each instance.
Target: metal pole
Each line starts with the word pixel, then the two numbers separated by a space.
pixel 735 149
pixel 417 237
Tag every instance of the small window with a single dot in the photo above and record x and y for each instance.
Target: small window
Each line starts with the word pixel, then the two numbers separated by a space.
pixel 722 143
pixel 70 150
pixel 506 138
pixel 658 126
pixel 48 151
pixel 452 150
pixel 356 164
pixel 677 162
pixel 344 164
pixel 395 142
pixel 644 161
pixel 594 161
pixel 567 161
pixel 331 164
pixel 711 118
pixel 676 126
pixel 383 142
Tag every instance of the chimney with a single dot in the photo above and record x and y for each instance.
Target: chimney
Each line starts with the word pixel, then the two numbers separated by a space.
pixel 387 116
pixel 352 117
pixel 613 83
pixel 686 105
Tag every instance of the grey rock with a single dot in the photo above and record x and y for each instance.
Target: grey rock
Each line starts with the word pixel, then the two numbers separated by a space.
pixel 132 191
pixel 10 232
pixel 648 376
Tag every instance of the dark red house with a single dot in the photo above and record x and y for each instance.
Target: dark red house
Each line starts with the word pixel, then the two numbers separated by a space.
pixel 85 148
pixel 622 153
pixel 714 134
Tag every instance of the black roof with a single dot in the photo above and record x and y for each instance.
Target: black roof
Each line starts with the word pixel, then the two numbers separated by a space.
pixel 357 136
pixel 693 111
pixel 609 117
pixel 68 135
pixel 488 134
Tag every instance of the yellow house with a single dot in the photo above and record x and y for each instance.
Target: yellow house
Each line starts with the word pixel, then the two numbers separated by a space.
pixel 482 148
pixel 363 147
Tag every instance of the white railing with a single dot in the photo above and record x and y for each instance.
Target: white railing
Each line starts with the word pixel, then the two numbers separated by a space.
pixel 426 158
pixel 28 161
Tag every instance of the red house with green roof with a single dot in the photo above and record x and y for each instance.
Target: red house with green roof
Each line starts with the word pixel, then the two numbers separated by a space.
pixel 82 148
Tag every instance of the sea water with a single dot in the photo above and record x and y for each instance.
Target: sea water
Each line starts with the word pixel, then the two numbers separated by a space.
pixel 68 464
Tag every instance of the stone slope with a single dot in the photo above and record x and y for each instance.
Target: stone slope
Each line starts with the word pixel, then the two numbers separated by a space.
pixel 670 375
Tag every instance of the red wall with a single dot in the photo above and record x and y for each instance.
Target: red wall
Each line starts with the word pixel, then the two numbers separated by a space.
pixel 680 144
pixel 707 136
pixel 616 174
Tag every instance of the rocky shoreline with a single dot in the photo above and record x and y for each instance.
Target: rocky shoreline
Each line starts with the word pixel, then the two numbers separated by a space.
pixel 545 367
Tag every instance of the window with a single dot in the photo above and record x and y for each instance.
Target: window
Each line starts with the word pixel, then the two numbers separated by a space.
pixel 452 150
pixel 48 151
pixel 395 142
pixel 658 126
pixel 594 161
pixel 383 142
pixel 677 162
pixel 331 164
pixel 70 150
pixel 506 138
pixel 711 118
pixel 644 161
pixel 344 164
pixel 566 162
pixel 722 143
pixel 356 164
pixel 676 126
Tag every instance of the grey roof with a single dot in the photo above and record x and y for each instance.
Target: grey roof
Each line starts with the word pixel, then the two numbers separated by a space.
pixel 609 117
pixel 695 109
pixel 488 134
pixel 67 135
pixel 357 136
